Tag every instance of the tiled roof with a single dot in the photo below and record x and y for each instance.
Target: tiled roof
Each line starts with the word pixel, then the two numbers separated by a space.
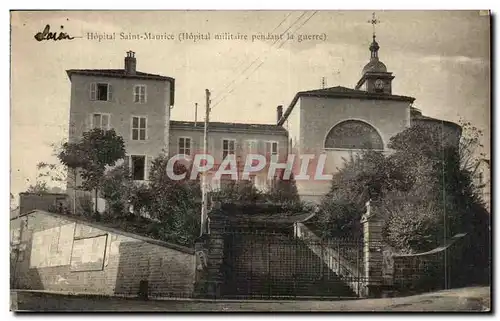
pixel 120 73
pixel 227 126
pixel 342 92
pixel 427 118
pixel 117 73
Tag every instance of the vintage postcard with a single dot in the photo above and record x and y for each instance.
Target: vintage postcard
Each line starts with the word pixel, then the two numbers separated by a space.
pixel 250 161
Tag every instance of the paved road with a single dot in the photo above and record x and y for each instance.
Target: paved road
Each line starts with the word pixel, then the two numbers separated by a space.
pixel 467 299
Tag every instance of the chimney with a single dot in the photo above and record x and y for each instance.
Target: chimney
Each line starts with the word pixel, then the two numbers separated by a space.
pixel 130 63
pixel 279 111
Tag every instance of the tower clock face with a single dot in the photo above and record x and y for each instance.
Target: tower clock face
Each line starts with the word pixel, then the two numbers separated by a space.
pixel 379 84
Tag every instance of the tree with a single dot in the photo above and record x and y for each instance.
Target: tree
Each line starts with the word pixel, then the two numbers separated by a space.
pixel 365 175
pixel 238 191
pixel 47 176
pixel 470 144
pixel 423 188
pixel 284 190
pixel 52 172
pixel 175 204
pixel 96 150
pixel 71 156
pixel 118 189
pixel 39 187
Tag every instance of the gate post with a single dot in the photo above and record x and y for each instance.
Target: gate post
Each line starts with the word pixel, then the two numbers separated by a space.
pixel 372 250
pixel 217 225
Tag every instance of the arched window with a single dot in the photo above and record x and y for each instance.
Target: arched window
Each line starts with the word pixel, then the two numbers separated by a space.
pixel 353 134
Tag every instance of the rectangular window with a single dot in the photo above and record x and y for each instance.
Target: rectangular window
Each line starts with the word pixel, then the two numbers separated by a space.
pixel 100 91
pixel 227 147
pixel 138 167
pixel 185 145
pixel 140 94
pixel 139 128
pixel 100 121
pixel 272 148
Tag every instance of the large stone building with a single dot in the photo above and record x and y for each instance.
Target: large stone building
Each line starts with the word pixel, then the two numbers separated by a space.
pixel 334 121
pixel 135 104
pixel 338 121
pixel 235 139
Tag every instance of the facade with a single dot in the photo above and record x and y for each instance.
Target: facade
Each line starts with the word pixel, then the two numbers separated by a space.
pixel 135 104
pixel 334 122
pixel 451 131
pixel 55 252
pixel 338 121
pixel 230 138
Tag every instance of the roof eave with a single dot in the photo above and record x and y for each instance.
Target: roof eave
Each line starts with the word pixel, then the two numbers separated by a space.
pixel 171 80
pixel 425 118
pixel 278 130
pixel 91 73
pixel 347 95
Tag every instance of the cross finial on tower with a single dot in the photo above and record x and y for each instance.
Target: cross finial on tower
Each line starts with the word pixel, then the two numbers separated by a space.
pixel 374 21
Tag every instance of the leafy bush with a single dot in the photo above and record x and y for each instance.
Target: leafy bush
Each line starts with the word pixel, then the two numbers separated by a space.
pixel 85 205
pixel 241 191
pixel 412 226
pixel 420 184
pixel 284 191
pixel 338 219
pixel 174 204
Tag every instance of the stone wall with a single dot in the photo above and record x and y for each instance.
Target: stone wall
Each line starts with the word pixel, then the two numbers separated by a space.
pixel 60 253
pixel 44 201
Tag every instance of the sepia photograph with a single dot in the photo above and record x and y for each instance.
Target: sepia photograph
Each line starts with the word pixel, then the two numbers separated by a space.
pixel 250 161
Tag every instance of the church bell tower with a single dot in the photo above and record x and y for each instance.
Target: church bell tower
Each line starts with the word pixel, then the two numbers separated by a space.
pixel 375 77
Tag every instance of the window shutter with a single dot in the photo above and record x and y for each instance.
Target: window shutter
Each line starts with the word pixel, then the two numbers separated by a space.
pixel 188 146
pixel 126 162
pixel 105 122
pixel 145 94
pixel 110 92
pixel 136 94
pixel 149 164
pixel 93 91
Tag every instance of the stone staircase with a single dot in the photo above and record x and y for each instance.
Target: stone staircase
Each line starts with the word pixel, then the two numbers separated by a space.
pixel 312 278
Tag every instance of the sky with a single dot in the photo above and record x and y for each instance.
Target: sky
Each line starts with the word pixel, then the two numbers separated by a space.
pixel 442 58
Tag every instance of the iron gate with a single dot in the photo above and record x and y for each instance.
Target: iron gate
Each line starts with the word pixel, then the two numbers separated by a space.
pixel 277 265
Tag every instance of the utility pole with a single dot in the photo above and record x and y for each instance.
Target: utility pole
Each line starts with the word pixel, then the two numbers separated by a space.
pixel 195 113
pixel 204 196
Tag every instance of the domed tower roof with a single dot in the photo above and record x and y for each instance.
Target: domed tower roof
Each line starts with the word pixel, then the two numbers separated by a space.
pixel 374 77
pixel 374 65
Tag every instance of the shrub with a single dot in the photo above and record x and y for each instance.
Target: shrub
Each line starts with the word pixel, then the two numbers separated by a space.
pixel 411 226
